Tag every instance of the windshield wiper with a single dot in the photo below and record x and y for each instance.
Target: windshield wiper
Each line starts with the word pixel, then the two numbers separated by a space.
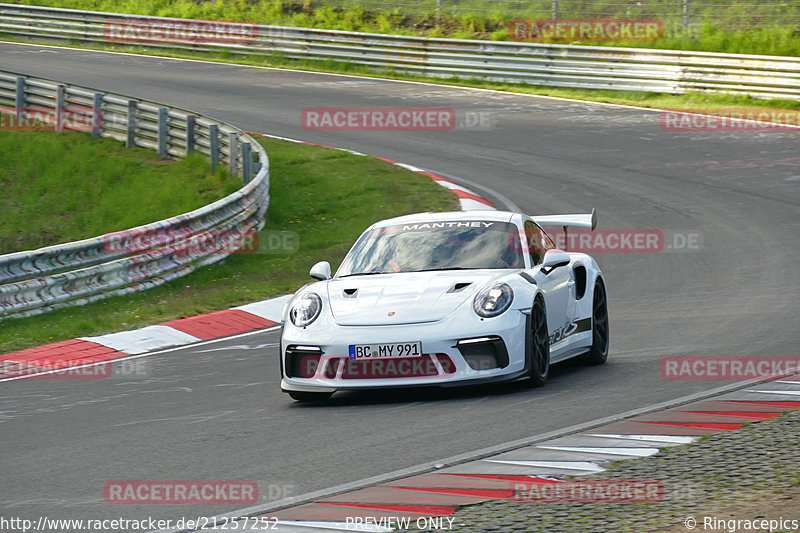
pixel 362 274
pixel 409 271
pixel 445 268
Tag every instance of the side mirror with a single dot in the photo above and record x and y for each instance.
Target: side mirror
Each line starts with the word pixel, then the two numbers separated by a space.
pixel 554 259
pixel 322 271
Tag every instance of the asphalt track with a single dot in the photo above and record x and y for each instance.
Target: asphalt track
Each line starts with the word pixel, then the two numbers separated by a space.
pixel 216 411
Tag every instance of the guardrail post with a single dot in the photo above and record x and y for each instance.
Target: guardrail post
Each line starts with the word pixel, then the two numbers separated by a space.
pixel 60 98
pixel 247 163
pixel 19 100
pixel 232 153
pixel 190 120
pixel 97 115
pixel 133 107
pixel 162 131
pixel 64 267
pixel 213 138
pixel 555 9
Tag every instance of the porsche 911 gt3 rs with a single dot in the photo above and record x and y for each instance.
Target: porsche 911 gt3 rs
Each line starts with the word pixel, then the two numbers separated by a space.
pixel 445 299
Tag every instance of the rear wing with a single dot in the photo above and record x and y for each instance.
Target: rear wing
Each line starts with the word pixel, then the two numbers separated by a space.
pixel 568 221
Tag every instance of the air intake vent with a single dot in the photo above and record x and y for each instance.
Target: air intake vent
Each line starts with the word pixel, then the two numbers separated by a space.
pixel 350 293
pixel 459 287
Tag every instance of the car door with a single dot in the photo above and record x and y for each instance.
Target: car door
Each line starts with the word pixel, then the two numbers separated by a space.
pixel 557 284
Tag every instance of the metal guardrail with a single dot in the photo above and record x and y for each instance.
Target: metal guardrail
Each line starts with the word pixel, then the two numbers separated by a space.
pixel 591 67
pixel 32 282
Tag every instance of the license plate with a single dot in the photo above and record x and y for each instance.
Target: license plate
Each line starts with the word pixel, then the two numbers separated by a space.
pixel 384 351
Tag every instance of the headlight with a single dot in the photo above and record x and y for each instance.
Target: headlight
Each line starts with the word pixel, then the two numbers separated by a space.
pixel 493 300
pixel 305 310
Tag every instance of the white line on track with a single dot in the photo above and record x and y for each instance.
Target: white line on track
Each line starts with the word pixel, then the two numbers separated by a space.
pixel 778 392
pixel 433 466
pixel 633 452
pixel 581 466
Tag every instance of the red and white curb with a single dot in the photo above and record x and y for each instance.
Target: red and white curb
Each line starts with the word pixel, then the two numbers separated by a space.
pixel 86 350
pixel 418 500
pixel 61 356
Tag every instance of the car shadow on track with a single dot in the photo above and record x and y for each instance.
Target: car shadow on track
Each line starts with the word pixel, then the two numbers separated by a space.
pixel 568 371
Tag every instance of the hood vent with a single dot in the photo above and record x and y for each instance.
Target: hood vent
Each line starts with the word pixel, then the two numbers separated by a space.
pixel 459 287
pixel 350 293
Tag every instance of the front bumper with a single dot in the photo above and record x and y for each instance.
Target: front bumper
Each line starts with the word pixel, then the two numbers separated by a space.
pixel 316 359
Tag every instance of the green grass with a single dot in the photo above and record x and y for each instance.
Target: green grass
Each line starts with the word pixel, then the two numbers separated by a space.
pixel 323 198
pixel 740 27
pixel 60 187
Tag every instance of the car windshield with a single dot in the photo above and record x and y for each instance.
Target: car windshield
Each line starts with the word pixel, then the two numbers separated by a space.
pixel 442 245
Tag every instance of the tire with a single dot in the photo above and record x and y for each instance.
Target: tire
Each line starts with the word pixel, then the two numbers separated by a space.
pixel 310 396
pixel 598 353
pixel 539 346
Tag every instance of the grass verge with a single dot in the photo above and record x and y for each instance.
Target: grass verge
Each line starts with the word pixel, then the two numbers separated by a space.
pixel 322 198
pixel 60 187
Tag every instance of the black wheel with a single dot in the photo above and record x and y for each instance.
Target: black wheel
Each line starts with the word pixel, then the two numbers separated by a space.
pixel 539 349
pixel 310 396
pixel 599 352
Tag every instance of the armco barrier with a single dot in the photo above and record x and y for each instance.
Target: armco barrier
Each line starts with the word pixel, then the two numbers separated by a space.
pixel 591 67
pixel 36 281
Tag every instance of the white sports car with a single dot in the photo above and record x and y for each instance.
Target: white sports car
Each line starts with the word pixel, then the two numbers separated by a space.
pixel 445 299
